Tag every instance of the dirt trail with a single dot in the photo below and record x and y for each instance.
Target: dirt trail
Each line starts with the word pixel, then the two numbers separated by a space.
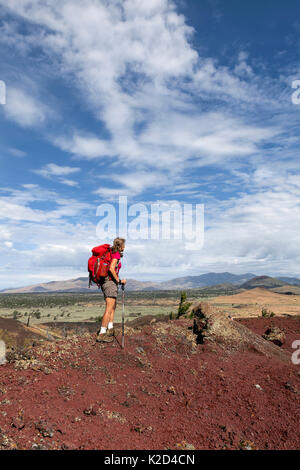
pixel 43 332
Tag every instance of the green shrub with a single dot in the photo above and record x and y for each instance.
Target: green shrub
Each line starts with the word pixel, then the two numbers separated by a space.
pixel 267 313
pixel 36 313
pixel 183 305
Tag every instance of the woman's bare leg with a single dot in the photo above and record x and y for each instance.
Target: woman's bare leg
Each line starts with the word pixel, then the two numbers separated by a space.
pixel 109 311
pixel 112 313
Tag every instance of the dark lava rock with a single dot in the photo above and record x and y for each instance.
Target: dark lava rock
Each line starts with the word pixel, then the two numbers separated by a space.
pixel 44 428
pixel 275 335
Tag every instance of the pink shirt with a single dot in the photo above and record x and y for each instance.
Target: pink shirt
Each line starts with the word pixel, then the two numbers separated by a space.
pixel 116 256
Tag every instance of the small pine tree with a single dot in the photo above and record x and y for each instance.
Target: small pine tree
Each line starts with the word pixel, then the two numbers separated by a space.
pixel 183 305
pixel 15 314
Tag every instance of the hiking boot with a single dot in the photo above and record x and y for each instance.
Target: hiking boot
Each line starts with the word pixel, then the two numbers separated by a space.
pixel 110 332
pixel 104 338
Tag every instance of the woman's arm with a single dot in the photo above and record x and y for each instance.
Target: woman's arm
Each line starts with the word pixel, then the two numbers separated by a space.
pixel 112 269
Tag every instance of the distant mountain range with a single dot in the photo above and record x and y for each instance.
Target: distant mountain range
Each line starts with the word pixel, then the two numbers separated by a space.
pixel 290 280
pixel 244 281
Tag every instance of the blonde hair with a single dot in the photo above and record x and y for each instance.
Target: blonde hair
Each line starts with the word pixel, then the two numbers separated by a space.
pixel 118 245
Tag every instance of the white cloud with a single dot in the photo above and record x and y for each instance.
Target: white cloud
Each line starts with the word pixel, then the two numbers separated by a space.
pixel 140 76
pixel 17 152
pixel 8 244
pixel 23 108
pixel 16 206
pixel 111 194
pixel 137 182
pixel 69 182
pixel 85 146
pixel 51 170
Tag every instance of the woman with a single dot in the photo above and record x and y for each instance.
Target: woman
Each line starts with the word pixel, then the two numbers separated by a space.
pixel 110 290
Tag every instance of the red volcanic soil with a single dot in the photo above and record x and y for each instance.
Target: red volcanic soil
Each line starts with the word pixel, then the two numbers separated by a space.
pixel 163 391
pixel 290 326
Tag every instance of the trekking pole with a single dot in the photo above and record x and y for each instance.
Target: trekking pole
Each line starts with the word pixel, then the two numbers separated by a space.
pixel 123 314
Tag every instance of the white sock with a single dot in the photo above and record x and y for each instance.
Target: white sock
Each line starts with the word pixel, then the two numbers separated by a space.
pixel 103 330
pixel 110 325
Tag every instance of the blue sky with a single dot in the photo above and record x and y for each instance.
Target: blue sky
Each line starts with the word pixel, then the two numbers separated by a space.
pixel 186 101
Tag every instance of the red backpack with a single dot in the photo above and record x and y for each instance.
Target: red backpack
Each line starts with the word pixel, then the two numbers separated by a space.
pixel 99 263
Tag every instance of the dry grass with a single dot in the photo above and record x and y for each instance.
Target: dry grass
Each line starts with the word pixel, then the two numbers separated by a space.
pixel 251 302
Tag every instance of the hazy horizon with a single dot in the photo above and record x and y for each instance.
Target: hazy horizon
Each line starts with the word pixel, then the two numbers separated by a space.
pixel 150 280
